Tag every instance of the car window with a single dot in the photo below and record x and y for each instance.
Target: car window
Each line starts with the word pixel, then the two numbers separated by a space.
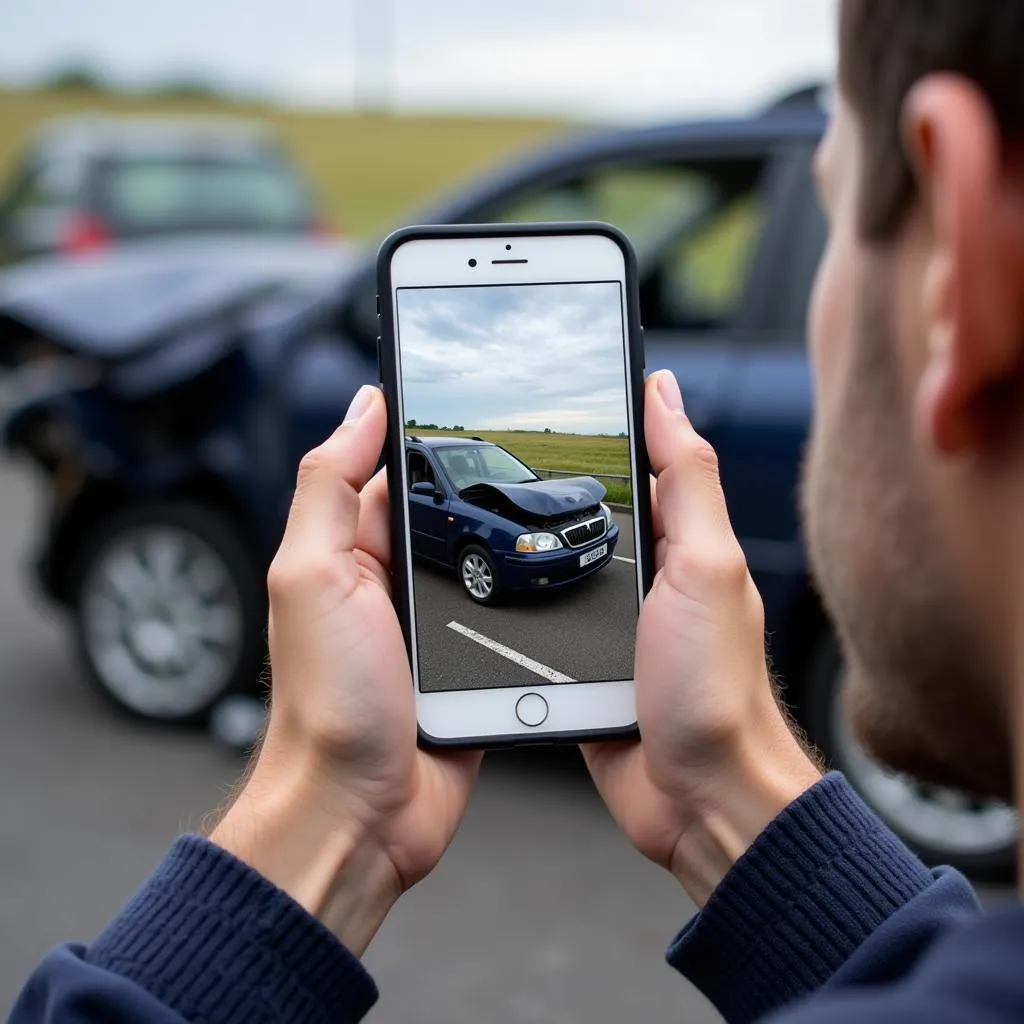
pixel 469 465
pixel 154 193
pixel 499 466
pixel 694 226
pixel 52 183
pixel 420 470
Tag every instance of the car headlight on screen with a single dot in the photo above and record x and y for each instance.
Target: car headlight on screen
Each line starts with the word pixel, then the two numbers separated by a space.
pixel 532 543
pixel 607 513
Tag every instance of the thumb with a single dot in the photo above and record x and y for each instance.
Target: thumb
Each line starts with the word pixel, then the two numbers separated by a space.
pixel 689 491
pixel 324 516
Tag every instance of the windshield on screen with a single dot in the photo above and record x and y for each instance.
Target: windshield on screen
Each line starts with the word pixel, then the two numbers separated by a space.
pixel 467 466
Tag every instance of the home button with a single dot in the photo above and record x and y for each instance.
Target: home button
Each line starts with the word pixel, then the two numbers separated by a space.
pixel 532 710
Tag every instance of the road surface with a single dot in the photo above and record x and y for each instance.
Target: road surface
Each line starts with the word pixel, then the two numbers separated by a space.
pixel 539 912
pixel 583 632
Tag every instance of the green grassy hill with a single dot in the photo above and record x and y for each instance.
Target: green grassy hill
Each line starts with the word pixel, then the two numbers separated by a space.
pixel 367 169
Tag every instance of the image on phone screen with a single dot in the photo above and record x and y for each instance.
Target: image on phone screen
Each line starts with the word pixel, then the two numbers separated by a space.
pixel 520 494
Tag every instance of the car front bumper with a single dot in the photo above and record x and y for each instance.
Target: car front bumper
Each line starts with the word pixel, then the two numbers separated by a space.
pixel 549 569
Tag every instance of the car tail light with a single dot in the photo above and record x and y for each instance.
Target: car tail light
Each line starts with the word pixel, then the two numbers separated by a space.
pixel 319 228
pixel 84 234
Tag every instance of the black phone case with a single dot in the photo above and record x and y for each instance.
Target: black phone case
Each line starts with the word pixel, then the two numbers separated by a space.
pixel 395 445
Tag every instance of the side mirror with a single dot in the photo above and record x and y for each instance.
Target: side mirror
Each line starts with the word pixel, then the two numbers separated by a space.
pixel 424 487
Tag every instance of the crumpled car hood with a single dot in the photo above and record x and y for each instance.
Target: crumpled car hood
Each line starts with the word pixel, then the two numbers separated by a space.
pixel 545 499
pixel 116 305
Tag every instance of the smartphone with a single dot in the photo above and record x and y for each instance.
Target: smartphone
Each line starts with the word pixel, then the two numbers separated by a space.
pixel 512 360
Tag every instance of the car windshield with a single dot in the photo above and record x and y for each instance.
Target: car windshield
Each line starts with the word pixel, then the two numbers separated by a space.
pixel 487 464
pixel 196 193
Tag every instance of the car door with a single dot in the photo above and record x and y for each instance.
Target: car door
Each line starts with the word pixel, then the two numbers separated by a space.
pixel 698 221
pixel 428 514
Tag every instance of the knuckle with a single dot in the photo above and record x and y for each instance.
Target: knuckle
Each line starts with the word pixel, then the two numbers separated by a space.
pixel 694 455
pixel 704 457
pixel 732 566
pixel 289 576
pixel 720 570
pixel 281 576
pixel 310 465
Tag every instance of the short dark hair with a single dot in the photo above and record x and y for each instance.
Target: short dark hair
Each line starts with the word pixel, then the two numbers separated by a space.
pixel 887 46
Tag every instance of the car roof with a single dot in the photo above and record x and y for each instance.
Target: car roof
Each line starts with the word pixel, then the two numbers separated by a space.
pixel 796 119
pixel 448 442
pixel 87 136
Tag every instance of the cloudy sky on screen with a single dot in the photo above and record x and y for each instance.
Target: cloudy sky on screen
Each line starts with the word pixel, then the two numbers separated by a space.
pixel 524 357
pixel 597 59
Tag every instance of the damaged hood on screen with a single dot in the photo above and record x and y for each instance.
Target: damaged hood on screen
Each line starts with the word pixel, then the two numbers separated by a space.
pixel 540 500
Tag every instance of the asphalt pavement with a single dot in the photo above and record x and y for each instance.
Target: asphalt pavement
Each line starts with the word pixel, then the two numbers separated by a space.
pixel 584 631
pixel 540 911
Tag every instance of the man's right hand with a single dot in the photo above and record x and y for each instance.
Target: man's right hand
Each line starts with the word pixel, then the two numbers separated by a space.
pixel 717 760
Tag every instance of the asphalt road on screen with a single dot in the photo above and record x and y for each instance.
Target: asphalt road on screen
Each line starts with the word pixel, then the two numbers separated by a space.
pixel 583 631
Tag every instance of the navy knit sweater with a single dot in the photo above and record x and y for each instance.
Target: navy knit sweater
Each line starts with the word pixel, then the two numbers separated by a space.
pixel 827 919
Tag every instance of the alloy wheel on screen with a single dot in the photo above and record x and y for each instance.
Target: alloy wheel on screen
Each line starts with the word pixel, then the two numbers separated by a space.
pixel 476 575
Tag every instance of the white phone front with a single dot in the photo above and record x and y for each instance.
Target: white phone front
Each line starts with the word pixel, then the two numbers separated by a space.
pixel 512 362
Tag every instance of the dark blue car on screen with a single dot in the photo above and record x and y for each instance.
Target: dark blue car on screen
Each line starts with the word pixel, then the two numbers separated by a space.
pixel 474 507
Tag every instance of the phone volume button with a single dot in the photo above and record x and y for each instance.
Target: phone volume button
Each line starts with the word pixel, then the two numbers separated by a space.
pixel 380 365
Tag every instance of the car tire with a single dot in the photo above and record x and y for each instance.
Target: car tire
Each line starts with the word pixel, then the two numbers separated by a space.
pixel 170 611
pixel 478 574
pixel 941 826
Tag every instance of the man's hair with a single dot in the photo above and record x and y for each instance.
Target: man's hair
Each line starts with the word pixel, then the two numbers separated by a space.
pixel 887 46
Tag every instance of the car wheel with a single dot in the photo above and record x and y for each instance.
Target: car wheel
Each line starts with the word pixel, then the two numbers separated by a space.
pixel 942 825
pixel 169 611
pixel 479 575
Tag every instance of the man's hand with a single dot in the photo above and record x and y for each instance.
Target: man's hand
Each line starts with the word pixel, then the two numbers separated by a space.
pixel 341 810
pixel 717 760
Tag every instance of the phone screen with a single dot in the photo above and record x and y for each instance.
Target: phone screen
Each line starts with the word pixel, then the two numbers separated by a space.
pixel 519 483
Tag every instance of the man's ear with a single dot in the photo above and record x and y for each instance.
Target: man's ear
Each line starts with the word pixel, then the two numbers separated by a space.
pixel 974 280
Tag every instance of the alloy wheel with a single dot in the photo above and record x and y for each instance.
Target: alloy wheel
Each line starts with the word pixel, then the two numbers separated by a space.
pixel 949 822
pixel 477 577
pixel 162 620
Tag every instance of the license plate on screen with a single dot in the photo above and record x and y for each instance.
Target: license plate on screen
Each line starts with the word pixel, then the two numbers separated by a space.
pixel 593 556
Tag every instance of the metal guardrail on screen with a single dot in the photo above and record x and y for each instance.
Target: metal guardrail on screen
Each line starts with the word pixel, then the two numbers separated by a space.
pixel 562 474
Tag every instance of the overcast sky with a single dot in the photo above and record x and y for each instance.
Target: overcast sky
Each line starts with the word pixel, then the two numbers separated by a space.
pixel 525 357
pixel 598 59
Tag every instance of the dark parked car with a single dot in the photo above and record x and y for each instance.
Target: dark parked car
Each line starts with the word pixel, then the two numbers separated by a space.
pixel 728 233
pixel 86 183
pixel 474 507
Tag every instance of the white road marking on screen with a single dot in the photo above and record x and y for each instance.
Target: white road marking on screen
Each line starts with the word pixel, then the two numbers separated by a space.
pixel 628 561
pixel 506 652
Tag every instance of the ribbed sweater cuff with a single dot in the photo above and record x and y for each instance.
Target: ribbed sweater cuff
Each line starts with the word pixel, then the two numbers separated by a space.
pixel 215 941
pixel 815 884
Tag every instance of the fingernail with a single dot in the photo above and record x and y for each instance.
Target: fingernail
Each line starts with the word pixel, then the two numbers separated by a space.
pixel 668 388
pixel 362 401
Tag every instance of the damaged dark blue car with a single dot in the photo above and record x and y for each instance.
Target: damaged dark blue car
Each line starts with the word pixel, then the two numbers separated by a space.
pixel 474 507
